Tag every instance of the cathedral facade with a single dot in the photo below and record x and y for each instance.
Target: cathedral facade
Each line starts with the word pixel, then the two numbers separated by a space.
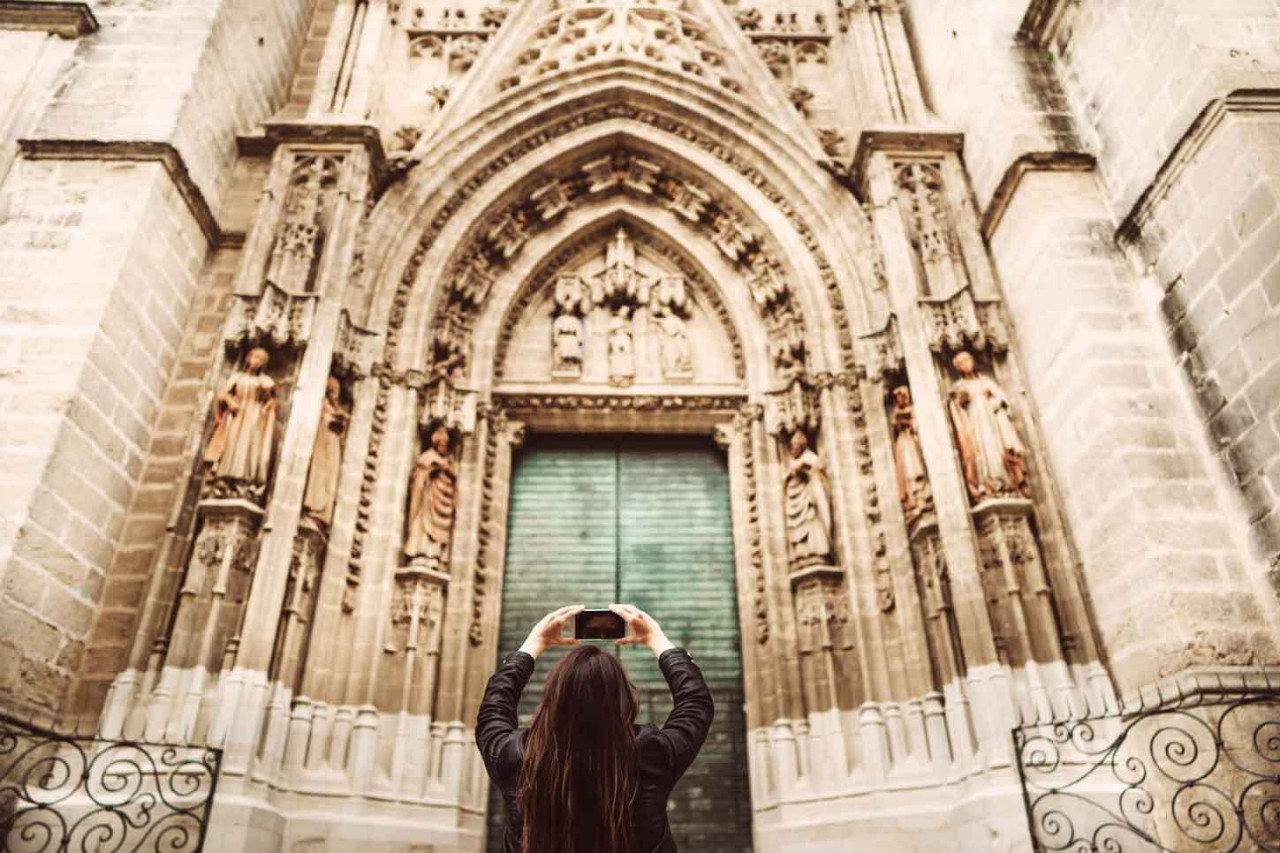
pixel 915 362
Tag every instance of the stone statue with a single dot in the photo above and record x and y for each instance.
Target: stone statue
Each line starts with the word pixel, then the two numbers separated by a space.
pixel 566 345
pixel 992 454
pixel 244 423
pixel 913 481
pixel 326 457
pixel 676 357
pixel 432 503
pixel 622 362
pixel 808 496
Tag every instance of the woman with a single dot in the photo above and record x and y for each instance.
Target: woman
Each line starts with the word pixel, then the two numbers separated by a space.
pixel 583 778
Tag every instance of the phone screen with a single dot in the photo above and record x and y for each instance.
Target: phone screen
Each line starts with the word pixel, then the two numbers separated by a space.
pixel 599 625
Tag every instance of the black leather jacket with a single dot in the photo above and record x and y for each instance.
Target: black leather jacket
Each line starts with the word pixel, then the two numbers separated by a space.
pixel 663 754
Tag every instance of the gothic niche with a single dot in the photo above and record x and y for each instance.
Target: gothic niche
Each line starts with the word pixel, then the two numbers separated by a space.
pixel 238 453
pixel 819 589
pixel 326 455
pixel 993 460
pixel 619 315
pixel 295 254
pixel 433 489
pixel 931 228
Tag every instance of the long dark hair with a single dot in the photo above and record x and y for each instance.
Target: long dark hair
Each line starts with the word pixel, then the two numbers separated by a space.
pixel 578 778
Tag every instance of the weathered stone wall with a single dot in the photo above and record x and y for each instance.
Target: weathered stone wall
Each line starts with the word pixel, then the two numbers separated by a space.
pixel 189 73
pixel 1214 240
pixel 1165 575
pixel 980 78
pixel 1186 180
pixel 99 263
pixel 127 585
pixel 95 299
pixel 1139 73
pixel 1191 171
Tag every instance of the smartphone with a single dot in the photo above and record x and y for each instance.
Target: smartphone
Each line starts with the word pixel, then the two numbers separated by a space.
pixel 599 625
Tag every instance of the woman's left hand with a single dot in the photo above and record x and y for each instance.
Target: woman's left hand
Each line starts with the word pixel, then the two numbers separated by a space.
pixel 547 631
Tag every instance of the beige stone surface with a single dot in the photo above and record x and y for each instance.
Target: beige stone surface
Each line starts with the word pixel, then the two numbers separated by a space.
pixel 389 194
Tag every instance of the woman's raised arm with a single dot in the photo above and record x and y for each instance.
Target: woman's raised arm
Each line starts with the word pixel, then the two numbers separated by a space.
pixel 690 719
pixel 497 718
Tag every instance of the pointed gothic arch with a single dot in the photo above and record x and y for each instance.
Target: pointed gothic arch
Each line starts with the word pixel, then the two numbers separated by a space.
pixel 822 235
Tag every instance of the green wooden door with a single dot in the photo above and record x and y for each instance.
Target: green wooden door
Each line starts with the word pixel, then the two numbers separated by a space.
pixel 644 521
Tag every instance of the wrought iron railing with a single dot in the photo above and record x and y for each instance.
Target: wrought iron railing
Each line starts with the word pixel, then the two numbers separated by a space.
pixel 63 792
pixel 1198 770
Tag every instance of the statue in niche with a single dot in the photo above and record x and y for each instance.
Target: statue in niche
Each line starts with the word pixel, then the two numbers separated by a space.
pixel 808 495
pixel 326 457
pixel 244 423
pixel 993 457
pixel 622 360
pixel 566 345
pixel 432 503
pixel 676 357
pixel 913 481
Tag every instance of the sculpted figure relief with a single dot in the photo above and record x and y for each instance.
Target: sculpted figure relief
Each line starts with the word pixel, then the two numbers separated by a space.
pixel 622 361
pixel 808 493
pixel 244 423
pixel 566 345
pixel 993 457
pixel 432 503
pixel 913 481
pixel 326 457
pixel 677 360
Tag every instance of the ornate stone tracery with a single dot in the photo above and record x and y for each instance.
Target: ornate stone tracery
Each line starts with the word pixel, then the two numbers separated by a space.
pixel 660 32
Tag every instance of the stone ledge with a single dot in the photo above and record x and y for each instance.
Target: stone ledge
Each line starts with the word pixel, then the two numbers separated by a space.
pixel 68 20
pixel 899 140
pixel 139 152
pixel 1034 161
pixel 385 169
pixel 1197 136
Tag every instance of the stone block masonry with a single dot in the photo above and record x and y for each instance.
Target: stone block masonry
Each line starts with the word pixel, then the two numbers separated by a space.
pixel 98 265
pixel 1213 238
pixel 1122 435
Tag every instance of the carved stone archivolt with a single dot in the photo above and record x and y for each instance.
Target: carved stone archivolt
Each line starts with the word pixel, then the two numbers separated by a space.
pixel 639 177
pixel 409 275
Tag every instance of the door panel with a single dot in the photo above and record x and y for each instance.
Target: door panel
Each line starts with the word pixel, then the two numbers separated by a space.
pixel 645 521
pixel 561 543
pixel 676 561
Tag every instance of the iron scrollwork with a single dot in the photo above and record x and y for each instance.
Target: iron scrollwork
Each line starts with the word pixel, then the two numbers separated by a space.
pixel 60 792
pixel 1199 773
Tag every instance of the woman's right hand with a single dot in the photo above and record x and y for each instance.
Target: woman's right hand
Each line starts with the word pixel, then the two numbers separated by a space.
pixel 645 630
